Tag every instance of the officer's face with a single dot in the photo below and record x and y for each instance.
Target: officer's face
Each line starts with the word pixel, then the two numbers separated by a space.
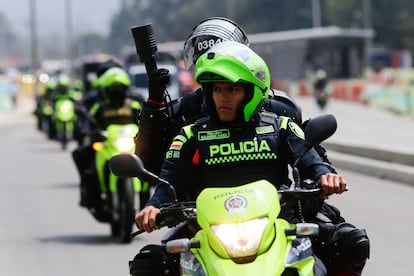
pixel 227 97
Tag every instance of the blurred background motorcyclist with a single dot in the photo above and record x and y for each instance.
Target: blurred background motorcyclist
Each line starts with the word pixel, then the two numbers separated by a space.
pixel 320 87
pixel 90 97
pixel 61 89
pixel 112 106
pixel 44 108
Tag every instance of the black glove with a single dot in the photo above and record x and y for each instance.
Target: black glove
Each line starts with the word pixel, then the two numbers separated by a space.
pixel 157 85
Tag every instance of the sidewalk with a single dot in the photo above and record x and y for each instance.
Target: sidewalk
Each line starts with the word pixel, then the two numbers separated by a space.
pixel 22 112
pixel 382 140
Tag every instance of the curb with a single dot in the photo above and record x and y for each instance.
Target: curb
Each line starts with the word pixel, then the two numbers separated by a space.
pixel 372 153
pixel 395 167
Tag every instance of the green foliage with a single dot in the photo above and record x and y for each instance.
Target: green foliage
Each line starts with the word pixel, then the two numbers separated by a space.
pixel 174 19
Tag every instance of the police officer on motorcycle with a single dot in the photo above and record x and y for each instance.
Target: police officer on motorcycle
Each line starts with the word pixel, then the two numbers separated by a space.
pixel 157 128
pixel 114 108
pixel 320 88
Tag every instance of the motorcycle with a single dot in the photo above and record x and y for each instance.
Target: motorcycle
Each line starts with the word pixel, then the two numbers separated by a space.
pixel 120 197
pixel 321 97
pixel 240 231
pixel 64 119
pixel 44 112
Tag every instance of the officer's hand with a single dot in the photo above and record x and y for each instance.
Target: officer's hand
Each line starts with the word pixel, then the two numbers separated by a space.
pixel 145 219
pixel 332 184
pixel 157 84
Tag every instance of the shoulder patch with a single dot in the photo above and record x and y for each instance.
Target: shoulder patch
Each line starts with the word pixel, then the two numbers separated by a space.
pixel 176 145
pixel 181 138
pixel 296 130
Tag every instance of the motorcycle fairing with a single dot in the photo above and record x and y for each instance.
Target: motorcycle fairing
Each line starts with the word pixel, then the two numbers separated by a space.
pixel 238 204
pixel 46 108
pixel 113 132
pixel 64 110
pixel 190 265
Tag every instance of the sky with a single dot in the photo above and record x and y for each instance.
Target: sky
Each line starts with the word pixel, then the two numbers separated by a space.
pixel 87 15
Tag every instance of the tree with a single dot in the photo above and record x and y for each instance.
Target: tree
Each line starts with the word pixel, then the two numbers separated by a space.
pixel 174 19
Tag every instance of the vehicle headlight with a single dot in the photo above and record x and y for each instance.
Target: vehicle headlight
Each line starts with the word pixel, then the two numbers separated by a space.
pixel 241 239
pixel 124 144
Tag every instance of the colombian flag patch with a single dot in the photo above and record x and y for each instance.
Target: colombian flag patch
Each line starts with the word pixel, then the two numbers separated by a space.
pixel 176 145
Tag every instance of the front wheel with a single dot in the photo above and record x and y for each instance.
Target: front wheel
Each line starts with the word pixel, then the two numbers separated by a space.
pixel 64 135
pixel 121 226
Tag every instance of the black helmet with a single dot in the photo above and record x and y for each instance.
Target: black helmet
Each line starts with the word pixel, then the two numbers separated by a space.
pixel 208 33
pixel 107 65
pixel 283 104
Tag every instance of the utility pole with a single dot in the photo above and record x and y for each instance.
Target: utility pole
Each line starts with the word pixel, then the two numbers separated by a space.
pixel 68 27
pixel 366 8
pixel 231 9
pixel 33 43
pixel 316 13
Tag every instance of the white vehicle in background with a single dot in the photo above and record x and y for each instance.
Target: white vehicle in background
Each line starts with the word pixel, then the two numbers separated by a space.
pixel 139 80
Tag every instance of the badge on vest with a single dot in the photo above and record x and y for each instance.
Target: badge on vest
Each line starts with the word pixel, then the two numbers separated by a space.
pixel 213 135
pixel 265 129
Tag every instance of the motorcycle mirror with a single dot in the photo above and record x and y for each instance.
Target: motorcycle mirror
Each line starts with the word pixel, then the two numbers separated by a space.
pixel 320 128
pixel 317 130
pixel 130 165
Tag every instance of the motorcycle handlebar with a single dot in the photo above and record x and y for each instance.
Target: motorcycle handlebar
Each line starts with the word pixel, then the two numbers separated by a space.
pixel 172 214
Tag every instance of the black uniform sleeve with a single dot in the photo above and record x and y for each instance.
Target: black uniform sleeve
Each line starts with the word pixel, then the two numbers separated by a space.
pixel 154 136
pixel 311 165
pixel 179 170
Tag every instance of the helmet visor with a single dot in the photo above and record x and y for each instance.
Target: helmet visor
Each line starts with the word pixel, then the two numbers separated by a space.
pixel 207 34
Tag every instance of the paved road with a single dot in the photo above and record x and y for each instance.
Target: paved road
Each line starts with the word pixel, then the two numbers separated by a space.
pixel 381 138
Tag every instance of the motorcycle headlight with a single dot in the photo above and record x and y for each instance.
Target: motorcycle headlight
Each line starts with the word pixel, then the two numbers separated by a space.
pixel 64 108
pixel 241 239
pixel 124 144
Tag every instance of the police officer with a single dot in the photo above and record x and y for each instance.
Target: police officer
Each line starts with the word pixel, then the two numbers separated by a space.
pixel 236 82
pixel 114 108
pixel 157 127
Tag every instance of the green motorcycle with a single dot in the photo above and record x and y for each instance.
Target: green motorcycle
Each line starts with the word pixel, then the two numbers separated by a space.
pixel 120 196
pixel 43 113
pixel 64 119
